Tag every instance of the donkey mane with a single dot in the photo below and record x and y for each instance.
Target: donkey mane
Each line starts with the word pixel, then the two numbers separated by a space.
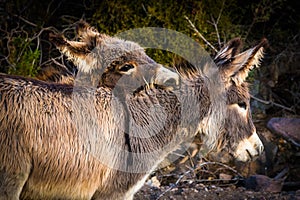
pixel 39 84
pixel 185 69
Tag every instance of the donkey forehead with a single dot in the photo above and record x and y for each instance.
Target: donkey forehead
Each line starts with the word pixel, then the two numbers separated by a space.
pixel 237 93
pixel 115 49
pixel 121 46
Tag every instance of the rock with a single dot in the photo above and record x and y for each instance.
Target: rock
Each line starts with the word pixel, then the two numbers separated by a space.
pixel 225 177
pixel 289 128
pixel 264 184
pixel 153 182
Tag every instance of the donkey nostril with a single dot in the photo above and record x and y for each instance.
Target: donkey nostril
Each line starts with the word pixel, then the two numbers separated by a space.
pixel 171 82
pixel 260 149
pixel 249 154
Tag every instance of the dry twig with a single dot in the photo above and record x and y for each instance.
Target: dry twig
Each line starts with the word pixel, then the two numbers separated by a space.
pixel 272 103
pixel 220 164
pixel 174 185
pixel 194 169
pixel 200 35
pixel 216 22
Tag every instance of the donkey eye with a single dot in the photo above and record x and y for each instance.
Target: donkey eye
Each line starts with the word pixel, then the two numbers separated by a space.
pixel 242 105
pixel 126 67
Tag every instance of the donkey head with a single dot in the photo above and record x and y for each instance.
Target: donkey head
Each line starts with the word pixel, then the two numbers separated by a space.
pixel 240 135
pixel 95 51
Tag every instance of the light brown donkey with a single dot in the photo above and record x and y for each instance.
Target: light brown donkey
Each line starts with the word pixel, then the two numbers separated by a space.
pixel 50 134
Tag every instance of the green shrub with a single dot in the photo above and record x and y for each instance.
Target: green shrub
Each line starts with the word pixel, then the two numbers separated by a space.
pixel 24 61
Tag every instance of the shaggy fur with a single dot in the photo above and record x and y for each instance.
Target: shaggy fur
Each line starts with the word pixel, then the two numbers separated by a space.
pixel 58 141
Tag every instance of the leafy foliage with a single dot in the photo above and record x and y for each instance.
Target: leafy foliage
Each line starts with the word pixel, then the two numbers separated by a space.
pixel 218 21
pixel 23 59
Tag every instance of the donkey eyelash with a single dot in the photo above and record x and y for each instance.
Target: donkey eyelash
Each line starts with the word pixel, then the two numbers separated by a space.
pixel 126 67
pixel 242 105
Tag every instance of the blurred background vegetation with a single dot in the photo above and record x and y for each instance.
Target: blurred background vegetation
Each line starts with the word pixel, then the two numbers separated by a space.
pixel 25 25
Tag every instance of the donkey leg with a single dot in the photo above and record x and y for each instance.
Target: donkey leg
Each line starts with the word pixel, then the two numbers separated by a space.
pixel 11 184
pixel 14 170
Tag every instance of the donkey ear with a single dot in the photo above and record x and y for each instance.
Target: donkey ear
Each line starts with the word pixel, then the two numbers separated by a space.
pixel 238 66
pixel 69 48
pixel 86 32
pixel 77 52
pixel 231 49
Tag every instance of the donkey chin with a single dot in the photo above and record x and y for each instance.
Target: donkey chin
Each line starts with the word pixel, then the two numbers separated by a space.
pixel 249 149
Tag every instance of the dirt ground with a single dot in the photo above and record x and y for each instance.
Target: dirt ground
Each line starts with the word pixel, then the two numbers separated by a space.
pixel 276 175
pixel 200 191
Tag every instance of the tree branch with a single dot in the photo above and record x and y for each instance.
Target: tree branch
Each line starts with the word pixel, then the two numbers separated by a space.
pixel 221 164
pixel 272 103
pixel 25 20
pixel 216 22
pixel 199 34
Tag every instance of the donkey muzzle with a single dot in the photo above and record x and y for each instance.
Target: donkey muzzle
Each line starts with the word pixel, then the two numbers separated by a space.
pixel 166 77
pixel 249 149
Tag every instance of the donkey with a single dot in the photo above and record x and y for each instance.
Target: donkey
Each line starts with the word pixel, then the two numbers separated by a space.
pixel 198 106
pixel 45 147
pixel 228 124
